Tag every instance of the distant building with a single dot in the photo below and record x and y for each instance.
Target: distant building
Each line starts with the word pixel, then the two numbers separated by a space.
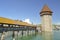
pixel 57 27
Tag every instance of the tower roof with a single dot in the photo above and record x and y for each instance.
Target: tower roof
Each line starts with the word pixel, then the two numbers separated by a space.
pixel 45 9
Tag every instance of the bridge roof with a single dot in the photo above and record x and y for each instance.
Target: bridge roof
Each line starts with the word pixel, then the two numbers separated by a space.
pixel 10 21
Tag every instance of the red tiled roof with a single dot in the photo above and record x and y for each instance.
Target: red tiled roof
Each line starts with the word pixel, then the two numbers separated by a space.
pixel 45 9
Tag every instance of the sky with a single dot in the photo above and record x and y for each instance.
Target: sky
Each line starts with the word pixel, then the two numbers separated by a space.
pixel 29 9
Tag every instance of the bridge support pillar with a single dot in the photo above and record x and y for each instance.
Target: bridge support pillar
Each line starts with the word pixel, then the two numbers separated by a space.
pixel 22 33
pixel 3 36
pixel 15 35
pixel 27 32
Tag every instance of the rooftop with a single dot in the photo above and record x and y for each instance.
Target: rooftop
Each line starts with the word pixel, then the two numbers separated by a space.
pixel 10 21
pixel 45 9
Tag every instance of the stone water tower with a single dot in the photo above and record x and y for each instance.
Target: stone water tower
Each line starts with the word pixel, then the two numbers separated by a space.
pixel 46 16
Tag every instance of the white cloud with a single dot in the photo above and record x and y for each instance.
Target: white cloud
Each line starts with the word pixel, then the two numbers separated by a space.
pixel 27 20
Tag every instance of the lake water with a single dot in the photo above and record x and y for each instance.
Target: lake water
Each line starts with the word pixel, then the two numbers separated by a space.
pixel 40 36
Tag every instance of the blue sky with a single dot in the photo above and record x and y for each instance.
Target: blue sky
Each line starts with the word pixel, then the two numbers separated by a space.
pixel 29 9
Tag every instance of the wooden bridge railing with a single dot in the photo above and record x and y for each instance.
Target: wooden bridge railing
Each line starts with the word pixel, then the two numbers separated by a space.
pixel 15 27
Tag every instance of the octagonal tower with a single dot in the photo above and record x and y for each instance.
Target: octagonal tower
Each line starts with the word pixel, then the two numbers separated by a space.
pixel 46 16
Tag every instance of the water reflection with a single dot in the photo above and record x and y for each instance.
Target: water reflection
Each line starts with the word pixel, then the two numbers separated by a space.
pixel 39 36
pixel 47 36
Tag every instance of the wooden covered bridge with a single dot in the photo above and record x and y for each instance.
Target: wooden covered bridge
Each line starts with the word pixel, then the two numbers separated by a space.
pixel 14 25
pixel 7 25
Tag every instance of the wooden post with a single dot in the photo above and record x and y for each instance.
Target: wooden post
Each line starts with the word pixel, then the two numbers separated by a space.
pixel 22 32
pixel 27 32
pixel 3 35
pixel 13 36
